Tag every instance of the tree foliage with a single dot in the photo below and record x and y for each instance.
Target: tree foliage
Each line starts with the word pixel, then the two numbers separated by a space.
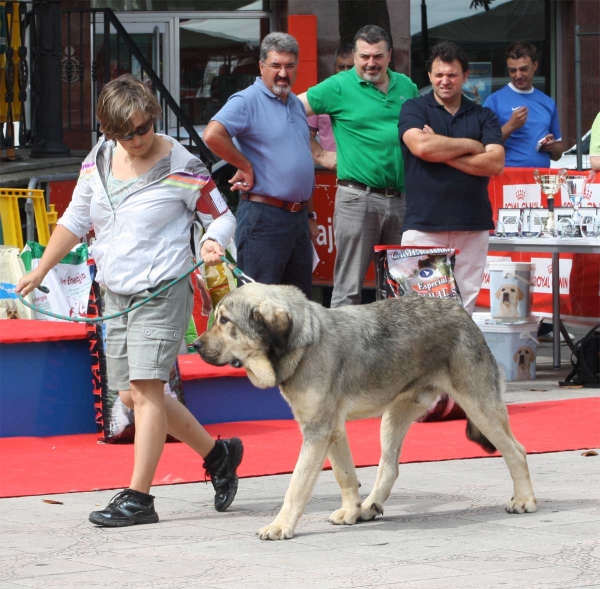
pixel 485 4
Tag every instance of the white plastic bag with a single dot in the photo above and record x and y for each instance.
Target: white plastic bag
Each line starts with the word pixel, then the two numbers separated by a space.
pixel 69 282
pixel 11 271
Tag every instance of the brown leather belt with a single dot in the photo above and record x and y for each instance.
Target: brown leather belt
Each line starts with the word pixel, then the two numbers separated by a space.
pixel 292 207
pixel 389 192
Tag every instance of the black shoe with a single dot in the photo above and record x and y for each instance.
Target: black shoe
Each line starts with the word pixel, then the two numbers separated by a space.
pixel 126 508
pixel 222 472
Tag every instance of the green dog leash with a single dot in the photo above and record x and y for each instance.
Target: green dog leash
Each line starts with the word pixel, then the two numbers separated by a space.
pixel 236 271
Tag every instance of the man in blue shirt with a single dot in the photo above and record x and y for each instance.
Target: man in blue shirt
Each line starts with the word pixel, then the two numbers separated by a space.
pixel 263 132
pixel 528 117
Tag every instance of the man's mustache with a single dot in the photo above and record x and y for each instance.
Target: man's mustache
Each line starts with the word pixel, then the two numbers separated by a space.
pixel 278 78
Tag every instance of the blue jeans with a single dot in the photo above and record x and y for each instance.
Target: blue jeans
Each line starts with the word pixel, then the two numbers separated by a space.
pixel 273 245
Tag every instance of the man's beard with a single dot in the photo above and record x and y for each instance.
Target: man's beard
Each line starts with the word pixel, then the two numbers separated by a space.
pixel 372 75
pixel 280 90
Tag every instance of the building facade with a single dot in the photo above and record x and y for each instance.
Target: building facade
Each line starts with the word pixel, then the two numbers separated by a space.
pixel 205 50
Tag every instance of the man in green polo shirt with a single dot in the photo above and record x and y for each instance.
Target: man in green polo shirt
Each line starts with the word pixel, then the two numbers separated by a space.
pixel 364 105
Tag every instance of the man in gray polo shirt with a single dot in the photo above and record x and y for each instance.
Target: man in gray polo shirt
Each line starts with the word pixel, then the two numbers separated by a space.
pixel 263 132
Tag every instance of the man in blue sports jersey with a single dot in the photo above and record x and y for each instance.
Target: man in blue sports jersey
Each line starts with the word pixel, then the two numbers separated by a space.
pixel 528 117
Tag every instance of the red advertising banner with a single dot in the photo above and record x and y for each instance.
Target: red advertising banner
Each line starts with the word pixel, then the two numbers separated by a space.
pixel 515 188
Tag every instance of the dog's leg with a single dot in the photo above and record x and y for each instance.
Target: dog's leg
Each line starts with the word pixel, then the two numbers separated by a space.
pixel 306 471
pixel 492 421
pixel 394 425
pixel 343 468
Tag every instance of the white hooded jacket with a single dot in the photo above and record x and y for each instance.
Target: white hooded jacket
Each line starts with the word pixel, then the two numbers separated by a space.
pixel 146 239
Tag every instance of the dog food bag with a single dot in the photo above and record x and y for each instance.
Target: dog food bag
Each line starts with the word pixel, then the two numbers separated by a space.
pixel 218 281
pixel 424 271
pixel 69 282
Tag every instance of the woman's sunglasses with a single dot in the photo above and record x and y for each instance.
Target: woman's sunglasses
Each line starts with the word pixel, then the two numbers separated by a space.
pixel 141 130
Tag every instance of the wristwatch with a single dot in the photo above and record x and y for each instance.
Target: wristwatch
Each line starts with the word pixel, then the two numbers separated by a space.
pixel 312 216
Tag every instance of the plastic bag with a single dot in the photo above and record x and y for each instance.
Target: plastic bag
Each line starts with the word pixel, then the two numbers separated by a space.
pixel 217 281
pixel 69 282
pixel 12 270
pixel 119 420
pixel 424 271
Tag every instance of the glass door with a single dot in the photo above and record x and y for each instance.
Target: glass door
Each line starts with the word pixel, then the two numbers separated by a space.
pixel 152 34
pixel 218 57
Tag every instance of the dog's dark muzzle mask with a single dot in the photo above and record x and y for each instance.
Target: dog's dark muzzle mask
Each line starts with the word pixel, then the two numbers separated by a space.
pixel 211 359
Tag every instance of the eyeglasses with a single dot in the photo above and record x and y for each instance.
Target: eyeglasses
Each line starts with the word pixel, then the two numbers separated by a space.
pixel 139 132
pixel 276 67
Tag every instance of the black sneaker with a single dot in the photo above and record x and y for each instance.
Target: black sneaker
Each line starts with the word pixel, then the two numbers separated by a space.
pixel 222 472
pixel 126 508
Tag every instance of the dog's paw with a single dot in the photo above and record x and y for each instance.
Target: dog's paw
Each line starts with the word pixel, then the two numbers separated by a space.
pixel 275 532
pixel 370 511
pixel 346 517
pixel 526 505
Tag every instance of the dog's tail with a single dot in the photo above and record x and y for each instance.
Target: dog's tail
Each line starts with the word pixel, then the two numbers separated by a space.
pixel 475 435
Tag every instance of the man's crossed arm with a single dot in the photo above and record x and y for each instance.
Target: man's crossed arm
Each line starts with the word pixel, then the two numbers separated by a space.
pixel 467 155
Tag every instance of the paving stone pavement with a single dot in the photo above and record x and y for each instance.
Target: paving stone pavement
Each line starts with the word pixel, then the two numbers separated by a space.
pixel 444 527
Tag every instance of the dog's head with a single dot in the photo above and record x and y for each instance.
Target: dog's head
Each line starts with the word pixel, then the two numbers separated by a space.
pixel 509 294
pixel 253 327
pixel 524 356
pixel 12 312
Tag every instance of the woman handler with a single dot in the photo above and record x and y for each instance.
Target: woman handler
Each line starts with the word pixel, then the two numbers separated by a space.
pixel 138 190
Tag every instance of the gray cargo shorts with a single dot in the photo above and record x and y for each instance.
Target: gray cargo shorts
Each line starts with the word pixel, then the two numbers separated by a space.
pixel 144 343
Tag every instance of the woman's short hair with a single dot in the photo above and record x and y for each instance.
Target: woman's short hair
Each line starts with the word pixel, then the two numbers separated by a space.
pixel 120 100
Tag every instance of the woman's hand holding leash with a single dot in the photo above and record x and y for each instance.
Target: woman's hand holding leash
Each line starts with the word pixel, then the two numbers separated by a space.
pixel 211 252
pixel 30 281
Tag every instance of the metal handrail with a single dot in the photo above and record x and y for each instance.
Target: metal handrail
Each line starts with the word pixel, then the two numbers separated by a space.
pixel 207 156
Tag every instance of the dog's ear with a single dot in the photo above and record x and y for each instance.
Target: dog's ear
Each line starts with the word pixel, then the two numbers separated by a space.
pixel 516 356
pixel 498 293
pixel 521 293
pixel 277 322
pixel 532 354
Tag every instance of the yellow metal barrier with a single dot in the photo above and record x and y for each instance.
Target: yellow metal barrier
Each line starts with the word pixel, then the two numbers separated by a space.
pixel 11 219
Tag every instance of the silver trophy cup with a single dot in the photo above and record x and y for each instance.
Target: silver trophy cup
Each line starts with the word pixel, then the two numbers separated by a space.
pixel 550 185
pixel 576 186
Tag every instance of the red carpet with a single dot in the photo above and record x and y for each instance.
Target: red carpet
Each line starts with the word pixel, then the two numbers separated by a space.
pixel 41 466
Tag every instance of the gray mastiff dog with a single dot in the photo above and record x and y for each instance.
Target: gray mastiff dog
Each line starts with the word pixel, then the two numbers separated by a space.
pixel 389 358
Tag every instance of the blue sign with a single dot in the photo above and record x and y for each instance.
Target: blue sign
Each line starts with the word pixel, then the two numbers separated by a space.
pixel 7 291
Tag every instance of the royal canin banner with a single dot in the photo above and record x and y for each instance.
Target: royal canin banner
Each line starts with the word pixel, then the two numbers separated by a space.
pixel 579 273
pixel 515 188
